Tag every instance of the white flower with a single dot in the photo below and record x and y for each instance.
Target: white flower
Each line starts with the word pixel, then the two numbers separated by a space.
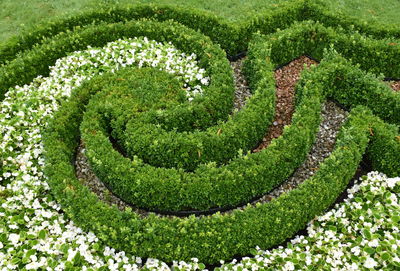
pixel 289 266
pixel 391 182
pixel 356 250
pixel 14 238
pixel 374 243
pixel 370 263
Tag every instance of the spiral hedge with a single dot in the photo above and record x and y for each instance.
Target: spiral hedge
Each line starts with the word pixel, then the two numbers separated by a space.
pixel 149 91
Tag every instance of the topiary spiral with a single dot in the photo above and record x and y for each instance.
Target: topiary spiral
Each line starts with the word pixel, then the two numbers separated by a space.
pixel 151 100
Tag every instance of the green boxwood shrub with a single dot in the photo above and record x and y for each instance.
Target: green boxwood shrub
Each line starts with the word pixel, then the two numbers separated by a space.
pixel 348 84
pixel 217 105
pixel 232 36
pixel 311 38
pixel 209 186
pixel 265 225
pixel 209 238
pixel 219 236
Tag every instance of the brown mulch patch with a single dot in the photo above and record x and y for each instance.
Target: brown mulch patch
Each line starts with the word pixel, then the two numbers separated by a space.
pixel 286 79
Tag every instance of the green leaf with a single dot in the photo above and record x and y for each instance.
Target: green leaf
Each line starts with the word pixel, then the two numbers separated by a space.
pixel 30 253
pixel 42 234
pixel 385 256
pixel 369 250
pixel 367 234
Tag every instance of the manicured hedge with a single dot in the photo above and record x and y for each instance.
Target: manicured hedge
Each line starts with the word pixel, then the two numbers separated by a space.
pixel 228 234
pixel 188 149
pixel 384 150
pixel 209 238
pixel 208 186
pixel 362 88
pixel 348 84
pixel 311 38
pixel 280 17
pixel 218 95
pixel 232 36
pixel 219 236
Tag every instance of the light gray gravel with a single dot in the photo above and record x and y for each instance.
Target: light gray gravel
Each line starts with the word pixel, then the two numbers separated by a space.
pixel 242 90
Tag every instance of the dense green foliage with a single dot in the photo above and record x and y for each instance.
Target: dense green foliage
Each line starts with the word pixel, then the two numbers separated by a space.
pixel 227 234
pixel 214 171
pixel 152 187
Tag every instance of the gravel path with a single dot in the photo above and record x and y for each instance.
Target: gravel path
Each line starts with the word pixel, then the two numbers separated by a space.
pixel 332 119
pixel 242 90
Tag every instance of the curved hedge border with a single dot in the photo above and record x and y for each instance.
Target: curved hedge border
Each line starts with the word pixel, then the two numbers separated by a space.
pixel 311 38
pixel 359 233
pixel 350 162
pixel 347 84
pixel 217 104
pixel 218 29
pixel 160 237
pixel 359 124
pixel 278 160
pixel 177 144
pixel 251 224
pixel 209 186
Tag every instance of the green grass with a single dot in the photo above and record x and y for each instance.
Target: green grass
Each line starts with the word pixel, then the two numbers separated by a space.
pixel 16 15
pixel 386 11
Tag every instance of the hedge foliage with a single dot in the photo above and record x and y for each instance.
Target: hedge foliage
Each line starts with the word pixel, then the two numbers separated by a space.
pixel 224 235
pixel 219 236
pixel 220 30
pixel 236 233
pixel 348 82
pixel 217 105
pixel 210 185
pixel 209 238
pixel 311 38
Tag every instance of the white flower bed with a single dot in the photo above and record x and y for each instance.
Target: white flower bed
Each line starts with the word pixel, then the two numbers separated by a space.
pixel 33 231
pixel 360 233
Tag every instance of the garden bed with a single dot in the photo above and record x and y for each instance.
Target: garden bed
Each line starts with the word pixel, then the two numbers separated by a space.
pixel 214 160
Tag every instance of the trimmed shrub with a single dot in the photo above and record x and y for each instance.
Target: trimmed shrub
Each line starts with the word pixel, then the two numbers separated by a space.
pixel 208 186
pixel 218 236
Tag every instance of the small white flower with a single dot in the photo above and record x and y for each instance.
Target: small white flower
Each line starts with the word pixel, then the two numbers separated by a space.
pixel 14 238
pixel 370 263
pixel 391 182
pixel 289 266
pixel 374 243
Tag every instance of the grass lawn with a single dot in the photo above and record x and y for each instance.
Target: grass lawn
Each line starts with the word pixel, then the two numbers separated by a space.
pixel 19 14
